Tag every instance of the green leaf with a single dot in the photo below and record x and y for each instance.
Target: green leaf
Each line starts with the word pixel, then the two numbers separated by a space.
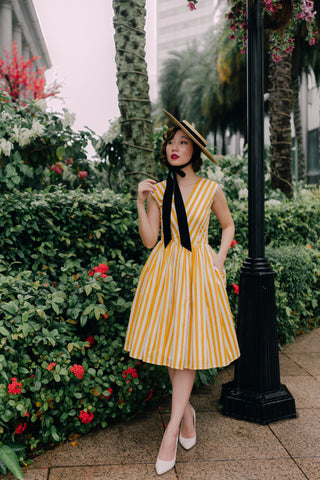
pixel 88 310
pixel 60 152
pixel 4 331
pixel 88 289
pixel 10 459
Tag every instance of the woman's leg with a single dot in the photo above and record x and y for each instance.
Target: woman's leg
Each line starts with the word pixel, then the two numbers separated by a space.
pixel 182 383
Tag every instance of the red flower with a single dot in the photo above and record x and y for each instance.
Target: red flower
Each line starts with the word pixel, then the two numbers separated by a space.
pixel 82 175
pixel 90 340
pixel 102 268
pixel 54 284
pixel 77 370
pixel 15 387
pixel 21 428
pixel 233 243
pixel 86 416
pixel 235 288
pixel 130 371
pixel 149 396
pixel 51 365
pixel 110 392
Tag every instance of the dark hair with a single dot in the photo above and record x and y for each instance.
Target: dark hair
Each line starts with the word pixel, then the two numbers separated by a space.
pixel 196 160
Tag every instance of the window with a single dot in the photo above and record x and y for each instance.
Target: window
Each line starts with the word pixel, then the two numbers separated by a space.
pixel 313 160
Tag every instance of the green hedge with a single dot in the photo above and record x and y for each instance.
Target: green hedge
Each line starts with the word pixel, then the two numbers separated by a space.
pixel 49 231
pixel 51 308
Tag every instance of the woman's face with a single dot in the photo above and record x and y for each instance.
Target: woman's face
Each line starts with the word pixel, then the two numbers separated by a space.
pixel 179 149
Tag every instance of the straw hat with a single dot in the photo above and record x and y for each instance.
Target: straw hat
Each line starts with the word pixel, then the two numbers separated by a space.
pixel 193 134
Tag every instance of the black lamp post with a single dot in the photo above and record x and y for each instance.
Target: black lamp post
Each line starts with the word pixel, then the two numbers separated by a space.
pixel 256 393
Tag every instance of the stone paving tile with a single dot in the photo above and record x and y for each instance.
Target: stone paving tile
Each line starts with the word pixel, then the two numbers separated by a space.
pixel 224 438
pixel 289 366
pixel 304 389
pixel 136 441
pixel 34 474
pixel 310 467
pixel 107 472
pixel 280 469
pixel 308 342
pixel 301 435
pixel 309 361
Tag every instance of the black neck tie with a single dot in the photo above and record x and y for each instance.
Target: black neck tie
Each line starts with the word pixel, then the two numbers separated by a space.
pixel 173 187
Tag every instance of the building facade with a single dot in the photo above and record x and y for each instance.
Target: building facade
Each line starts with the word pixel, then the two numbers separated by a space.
pixel 177 26
pixel 19 22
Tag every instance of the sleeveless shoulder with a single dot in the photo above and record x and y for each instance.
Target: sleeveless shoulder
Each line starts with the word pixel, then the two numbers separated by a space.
pixel 208 187
pixel 158 193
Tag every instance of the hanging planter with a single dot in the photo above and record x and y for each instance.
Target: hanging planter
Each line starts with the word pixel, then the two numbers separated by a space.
pixel 280 18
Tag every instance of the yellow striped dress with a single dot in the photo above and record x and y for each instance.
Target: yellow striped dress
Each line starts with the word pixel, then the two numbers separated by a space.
pixel 180 315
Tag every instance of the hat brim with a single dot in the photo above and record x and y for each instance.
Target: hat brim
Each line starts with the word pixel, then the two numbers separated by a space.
pixel 190 135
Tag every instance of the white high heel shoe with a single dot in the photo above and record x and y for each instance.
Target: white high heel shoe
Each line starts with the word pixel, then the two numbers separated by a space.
pixel 163 466
pixel 188 443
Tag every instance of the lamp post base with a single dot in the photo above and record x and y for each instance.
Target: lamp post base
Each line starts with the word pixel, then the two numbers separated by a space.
pixel 256 393
pixel 258 408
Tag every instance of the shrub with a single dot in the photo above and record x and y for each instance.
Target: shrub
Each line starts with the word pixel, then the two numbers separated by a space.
pixel 39 148
pixel 62 365
pixel 297 286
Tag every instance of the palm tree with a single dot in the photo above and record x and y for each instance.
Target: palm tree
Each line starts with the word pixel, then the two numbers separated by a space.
pixel 210 91
pixel 133 88
pixel 280 106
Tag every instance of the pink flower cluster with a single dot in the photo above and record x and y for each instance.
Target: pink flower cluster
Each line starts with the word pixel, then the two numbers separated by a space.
pixel 191 4
pixel 307 13
pixel 86 416
pixel 272 6
pixel 77 370
pixel 15 387
pixel 57 168
pixel 102 268
pixel 82 175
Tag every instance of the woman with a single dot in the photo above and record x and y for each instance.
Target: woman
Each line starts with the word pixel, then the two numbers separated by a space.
pixel 180 315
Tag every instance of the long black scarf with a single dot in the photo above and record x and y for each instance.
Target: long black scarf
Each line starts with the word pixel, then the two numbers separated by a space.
pixel 173 187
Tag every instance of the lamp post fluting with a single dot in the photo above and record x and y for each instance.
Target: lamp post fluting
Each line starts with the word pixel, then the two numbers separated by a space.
pixel 256 393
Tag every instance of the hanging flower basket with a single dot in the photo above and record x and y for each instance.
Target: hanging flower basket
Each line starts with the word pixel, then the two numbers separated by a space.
pixel 279 18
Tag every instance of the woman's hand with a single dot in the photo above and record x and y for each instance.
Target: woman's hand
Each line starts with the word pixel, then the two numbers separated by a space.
pixel 219 262
pixel 144 188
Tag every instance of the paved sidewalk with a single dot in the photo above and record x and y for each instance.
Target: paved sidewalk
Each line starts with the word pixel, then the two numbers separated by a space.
pixel 226 449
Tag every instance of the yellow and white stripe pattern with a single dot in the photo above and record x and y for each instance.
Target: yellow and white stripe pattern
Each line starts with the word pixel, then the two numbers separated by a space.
pixel 180 315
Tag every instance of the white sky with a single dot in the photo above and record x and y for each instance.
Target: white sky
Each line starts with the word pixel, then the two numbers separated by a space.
pixel 79 38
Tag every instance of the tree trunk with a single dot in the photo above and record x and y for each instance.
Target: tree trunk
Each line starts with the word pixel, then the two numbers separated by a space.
pixel 298 130
pixel 133 89
pixel 280 101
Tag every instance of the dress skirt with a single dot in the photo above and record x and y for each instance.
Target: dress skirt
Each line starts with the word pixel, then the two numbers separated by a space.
pixel 180 315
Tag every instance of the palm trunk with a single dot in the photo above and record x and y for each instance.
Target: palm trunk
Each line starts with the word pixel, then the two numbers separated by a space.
pixel 133 88
pixel 298 130
pixel 280 129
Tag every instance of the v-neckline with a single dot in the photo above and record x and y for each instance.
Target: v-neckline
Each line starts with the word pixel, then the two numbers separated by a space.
pixel 191 193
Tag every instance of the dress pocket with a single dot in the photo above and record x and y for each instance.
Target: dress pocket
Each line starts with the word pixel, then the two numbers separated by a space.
pixel 221 274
